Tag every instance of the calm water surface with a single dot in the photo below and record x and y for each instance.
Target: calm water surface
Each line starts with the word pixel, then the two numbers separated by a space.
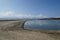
pixel 43 24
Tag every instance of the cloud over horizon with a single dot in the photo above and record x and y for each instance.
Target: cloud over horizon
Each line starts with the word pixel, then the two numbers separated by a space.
pixel 10 14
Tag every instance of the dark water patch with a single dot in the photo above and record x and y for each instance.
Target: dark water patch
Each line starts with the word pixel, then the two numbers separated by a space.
pixel 43 24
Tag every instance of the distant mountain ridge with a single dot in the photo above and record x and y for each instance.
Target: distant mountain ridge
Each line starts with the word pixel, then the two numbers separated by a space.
pixel 50 19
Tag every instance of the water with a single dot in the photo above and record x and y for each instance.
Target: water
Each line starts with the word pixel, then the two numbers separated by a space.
pixel 43 24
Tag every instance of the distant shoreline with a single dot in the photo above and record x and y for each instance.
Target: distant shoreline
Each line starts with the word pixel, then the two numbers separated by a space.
pixel 30 19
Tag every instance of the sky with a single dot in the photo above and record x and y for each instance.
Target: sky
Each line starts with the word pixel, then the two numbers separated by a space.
pixel 29 8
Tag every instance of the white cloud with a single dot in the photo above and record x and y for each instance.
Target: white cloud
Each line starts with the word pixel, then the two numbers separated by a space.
pixel 10 14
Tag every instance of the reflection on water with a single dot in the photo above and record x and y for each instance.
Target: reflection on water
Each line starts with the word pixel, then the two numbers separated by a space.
pixel 43 24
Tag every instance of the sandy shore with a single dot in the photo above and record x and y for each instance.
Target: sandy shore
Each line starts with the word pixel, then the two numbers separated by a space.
pixel 7 34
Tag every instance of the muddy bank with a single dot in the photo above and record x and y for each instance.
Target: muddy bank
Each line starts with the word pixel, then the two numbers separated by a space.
pixel 18 34
pixel 11 25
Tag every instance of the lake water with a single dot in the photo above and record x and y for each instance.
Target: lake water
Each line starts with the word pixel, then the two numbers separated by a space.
pixel 43 24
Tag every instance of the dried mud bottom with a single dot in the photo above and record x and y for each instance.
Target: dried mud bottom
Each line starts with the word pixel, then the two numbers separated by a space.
pixel 11 25
pixel 27 35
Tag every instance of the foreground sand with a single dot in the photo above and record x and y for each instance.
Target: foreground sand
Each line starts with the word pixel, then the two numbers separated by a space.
pixel 27 35
pixel 7 34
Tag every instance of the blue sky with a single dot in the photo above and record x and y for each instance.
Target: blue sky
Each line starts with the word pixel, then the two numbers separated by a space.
pixel 29 8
